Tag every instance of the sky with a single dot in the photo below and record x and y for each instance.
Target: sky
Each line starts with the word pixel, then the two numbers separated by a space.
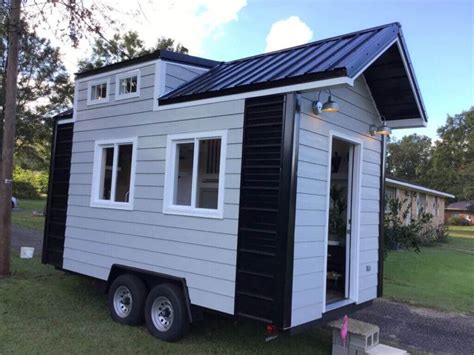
pixel 439 35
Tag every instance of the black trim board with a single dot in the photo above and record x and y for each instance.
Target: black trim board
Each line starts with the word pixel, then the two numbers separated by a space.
pixel 58 187
pixel 381 217
pixel 264 273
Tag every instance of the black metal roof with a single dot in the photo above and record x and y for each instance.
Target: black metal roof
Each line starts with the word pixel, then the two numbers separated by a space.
pixel 341 56
pixel 159 54
pixel 64 115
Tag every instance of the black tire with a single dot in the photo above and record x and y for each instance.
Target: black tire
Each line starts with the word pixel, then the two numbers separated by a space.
pixel 172 296
pixel 130 286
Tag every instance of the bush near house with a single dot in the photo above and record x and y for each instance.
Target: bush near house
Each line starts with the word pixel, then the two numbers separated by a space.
pixel 458 221
pixel 29 184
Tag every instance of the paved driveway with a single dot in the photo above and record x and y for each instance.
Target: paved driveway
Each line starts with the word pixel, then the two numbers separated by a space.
pixel 421 329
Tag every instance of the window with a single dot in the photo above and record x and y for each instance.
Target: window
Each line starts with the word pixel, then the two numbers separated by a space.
pixel 420 203
pixel 127 85
pixel 98 92
pixel 114 170
pixel 436 206
pixel 194 182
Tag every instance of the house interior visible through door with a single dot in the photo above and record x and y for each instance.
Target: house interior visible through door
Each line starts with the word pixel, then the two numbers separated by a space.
pixel 339 234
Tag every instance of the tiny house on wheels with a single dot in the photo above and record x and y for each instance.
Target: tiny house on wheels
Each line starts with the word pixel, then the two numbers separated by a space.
pixel 252 187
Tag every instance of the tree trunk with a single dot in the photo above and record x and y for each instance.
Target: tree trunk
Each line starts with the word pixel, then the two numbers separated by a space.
pixel 8 143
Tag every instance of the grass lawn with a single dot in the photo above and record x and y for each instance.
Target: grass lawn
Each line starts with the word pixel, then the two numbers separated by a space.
pixel 46 311
pixel 441 276
pixel 22 216
pixel 461 231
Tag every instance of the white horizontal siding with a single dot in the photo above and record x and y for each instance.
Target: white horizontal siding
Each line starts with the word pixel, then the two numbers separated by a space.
pixel 357 113
pixel 201 250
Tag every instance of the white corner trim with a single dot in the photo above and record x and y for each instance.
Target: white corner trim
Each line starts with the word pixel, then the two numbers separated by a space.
pixel 75 102
pixel 160 84
pixel 396 183
pixel 105 80
pixel 170 171
pixel 126 75
pixel 277 90
pixel 97 172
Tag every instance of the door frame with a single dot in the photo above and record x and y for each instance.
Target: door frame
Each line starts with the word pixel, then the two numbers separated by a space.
pixel 355 220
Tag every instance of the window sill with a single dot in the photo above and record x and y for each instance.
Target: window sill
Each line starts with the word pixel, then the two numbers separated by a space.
pixel 112 205
pixel 97 102
pixel 197 212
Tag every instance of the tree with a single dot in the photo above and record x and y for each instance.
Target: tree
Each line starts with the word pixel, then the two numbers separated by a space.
pixel 123 47
pixel 8 142
pixel 79 19
pixel 44 89
pixel 453 156
pixel 410 158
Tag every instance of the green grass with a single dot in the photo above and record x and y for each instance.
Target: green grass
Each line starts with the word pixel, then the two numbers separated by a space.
pixel 461 231
pixel 23 215
pixel 440 277
pixel 47 311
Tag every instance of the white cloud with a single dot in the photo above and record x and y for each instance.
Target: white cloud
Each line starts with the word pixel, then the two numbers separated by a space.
pixel 189 22
pixel 287 33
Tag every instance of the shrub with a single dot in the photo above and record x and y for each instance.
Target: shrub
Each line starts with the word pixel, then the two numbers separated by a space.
pixel 29 184
pixel 455 221
pixel 431 234
pixel 442 233
pixel 399 234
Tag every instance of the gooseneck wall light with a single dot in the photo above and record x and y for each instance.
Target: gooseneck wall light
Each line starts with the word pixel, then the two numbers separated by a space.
pixel 383 130
pixel 329 106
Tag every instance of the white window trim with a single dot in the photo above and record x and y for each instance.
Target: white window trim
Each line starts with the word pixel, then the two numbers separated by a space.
pixel 169 207
pixel 97 172
pixel 105 81
pixel 125 75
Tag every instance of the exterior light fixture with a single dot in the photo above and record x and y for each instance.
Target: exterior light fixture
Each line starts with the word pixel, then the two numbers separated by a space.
pixel 382 130
pixel 329 106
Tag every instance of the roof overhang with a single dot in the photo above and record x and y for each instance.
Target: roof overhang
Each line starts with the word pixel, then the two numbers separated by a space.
pixel 394 88
pixel 418 188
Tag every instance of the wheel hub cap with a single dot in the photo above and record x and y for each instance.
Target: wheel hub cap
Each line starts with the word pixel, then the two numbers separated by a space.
pixel 162 313
pixel 123 301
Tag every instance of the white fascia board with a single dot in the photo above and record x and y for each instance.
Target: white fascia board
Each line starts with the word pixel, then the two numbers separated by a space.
pixel 396 183
pixel 407 123
pixel 277 90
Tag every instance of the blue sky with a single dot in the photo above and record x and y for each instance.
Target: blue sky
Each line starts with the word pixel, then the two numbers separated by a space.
pixel 439 36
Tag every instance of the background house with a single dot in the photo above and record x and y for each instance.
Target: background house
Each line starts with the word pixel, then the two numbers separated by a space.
pixel 463 210
pixel 421 198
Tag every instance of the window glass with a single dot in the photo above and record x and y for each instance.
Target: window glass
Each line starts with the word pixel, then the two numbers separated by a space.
pixel 106 174
pixel 124 169
pixel 184 174
pixel 99 91
pixel 208 173
pixel 128 85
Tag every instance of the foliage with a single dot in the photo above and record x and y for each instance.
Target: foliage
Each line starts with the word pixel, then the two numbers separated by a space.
pixel 397 232
pixel 29 184
pixel 122 47
pixel 431 234
pixel 409 158
pixel 44 89
pixel 453 156
pixel 446 165
pixel 337 220
pixel 457 221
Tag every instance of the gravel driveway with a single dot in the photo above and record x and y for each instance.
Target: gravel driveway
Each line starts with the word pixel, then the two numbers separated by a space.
pixel 23 237
pixel 421 329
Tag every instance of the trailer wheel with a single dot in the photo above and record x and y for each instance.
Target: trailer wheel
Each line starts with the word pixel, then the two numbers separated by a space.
pixel 165 313
pixel 127 296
